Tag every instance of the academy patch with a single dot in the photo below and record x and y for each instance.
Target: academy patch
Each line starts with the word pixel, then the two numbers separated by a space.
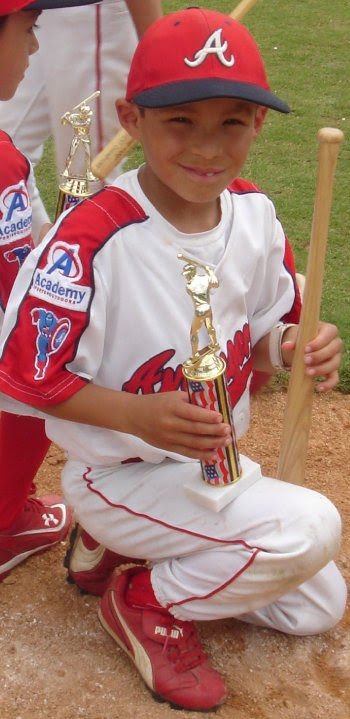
pixel 15 213
pixel 57 281
pixel 62 294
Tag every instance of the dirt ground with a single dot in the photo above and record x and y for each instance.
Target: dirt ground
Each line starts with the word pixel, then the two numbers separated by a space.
pixel 58 663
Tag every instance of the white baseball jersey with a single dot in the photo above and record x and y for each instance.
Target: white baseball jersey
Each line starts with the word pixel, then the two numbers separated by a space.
pixel 104 299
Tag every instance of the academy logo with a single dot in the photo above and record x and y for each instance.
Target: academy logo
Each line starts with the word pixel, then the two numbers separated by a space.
pixel 213 46
pixel 64 259
pixel 15 213
pixel 56 283
pixel 52 332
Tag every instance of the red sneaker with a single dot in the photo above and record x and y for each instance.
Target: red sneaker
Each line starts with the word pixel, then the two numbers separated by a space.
pixel 165 650
pixel 43 523
pixel 90 564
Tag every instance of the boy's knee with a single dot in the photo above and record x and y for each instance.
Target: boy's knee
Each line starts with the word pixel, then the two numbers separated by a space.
pixel 320 534
pixel 323 602
pixel 335 607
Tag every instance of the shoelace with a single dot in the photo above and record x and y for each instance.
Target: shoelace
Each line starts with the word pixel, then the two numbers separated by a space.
pixel 33 504
pixel 187 653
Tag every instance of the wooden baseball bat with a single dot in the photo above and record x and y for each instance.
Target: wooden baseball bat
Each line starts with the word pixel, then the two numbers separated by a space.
pixel 119 146
pixel 116 149
pixel 242 8
pixel 297 417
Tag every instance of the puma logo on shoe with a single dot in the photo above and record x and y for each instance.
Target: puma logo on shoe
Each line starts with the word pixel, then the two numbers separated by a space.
pixel 175 632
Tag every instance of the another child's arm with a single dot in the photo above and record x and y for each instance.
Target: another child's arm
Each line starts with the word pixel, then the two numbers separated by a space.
pixel 41 221
pixel 164 420
pixel 144 13
pixel 322 354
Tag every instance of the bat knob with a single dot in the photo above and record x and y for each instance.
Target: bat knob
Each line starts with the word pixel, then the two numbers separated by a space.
pixel 331 135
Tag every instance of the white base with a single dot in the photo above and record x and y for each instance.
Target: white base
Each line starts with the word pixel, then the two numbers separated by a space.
pixel 215 498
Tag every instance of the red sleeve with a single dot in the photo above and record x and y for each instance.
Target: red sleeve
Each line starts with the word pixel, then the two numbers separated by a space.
pixel 15 215
pixel 56 288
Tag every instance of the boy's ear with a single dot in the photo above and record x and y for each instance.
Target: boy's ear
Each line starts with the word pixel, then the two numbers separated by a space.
pixel 259 119
pixel 129 117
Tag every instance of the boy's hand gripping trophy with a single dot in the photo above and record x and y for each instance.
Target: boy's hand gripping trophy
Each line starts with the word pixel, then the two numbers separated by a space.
pixel 77 178
pixel 206 382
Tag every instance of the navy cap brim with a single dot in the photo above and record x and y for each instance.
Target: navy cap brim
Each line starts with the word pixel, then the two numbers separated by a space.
pixel 179 93
pixel 55 4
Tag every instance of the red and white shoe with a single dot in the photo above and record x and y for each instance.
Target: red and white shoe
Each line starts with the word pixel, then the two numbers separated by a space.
pixel 165 650
pixel 90 564
pixel 43 523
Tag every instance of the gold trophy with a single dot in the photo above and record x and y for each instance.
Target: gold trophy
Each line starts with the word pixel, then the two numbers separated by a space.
pixel 206 383
pixel 77 178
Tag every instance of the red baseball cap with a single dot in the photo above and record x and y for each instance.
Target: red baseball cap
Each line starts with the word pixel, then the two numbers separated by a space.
pixel 9 6
pixel 198 54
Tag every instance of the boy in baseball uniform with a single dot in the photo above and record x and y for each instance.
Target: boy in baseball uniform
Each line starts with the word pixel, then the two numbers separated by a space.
pixel 102 310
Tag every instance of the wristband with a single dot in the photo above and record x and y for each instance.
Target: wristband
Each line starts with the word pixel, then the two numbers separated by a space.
pixel 275 343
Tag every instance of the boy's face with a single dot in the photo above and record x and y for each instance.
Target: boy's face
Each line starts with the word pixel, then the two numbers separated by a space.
pixel 194 150
pixel 17 42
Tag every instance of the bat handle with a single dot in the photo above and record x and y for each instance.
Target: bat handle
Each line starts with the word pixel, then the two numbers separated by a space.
pixel 112 154
pixel 242 8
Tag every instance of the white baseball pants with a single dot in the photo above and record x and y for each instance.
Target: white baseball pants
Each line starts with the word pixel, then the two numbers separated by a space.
pixel 266 558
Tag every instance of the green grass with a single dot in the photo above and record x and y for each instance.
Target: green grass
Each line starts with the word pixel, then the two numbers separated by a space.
pixel 306 50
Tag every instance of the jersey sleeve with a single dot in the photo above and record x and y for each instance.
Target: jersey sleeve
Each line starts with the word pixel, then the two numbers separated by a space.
pixel 276 295
pixel 54 330
pixel 15 214
pixel 293 314
pixel 241 186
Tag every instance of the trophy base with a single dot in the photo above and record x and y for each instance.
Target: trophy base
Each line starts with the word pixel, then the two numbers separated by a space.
pixel 204 365
pixel 216 498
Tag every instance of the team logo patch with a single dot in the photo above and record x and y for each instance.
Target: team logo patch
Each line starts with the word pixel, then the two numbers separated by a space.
pixel 57 281
pixel 15 213
pixel 17 254
pixel 52 333
pixel 213 46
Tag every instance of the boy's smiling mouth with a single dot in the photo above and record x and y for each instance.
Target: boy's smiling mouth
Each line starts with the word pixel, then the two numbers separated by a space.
pixel 202 172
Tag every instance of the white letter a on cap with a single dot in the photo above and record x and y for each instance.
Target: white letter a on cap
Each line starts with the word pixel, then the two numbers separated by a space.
pixel 214 45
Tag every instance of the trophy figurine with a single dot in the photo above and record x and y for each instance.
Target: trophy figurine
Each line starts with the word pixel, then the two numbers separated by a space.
pixel 206 383
pixel 77 178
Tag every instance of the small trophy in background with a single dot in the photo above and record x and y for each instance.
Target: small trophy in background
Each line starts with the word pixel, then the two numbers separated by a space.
pixel 77 178
pixel 206 383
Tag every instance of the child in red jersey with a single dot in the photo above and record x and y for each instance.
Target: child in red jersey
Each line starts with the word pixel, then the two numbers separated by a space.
pixel 28 524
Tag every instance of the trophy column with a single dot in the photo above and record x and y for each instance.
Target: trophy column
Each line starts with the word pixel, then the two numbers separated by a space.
pixel 231 473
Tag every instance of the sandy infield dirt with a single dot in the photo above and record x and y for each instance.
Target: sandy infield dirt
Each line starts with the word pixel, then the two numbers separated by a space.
pixel 58 663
